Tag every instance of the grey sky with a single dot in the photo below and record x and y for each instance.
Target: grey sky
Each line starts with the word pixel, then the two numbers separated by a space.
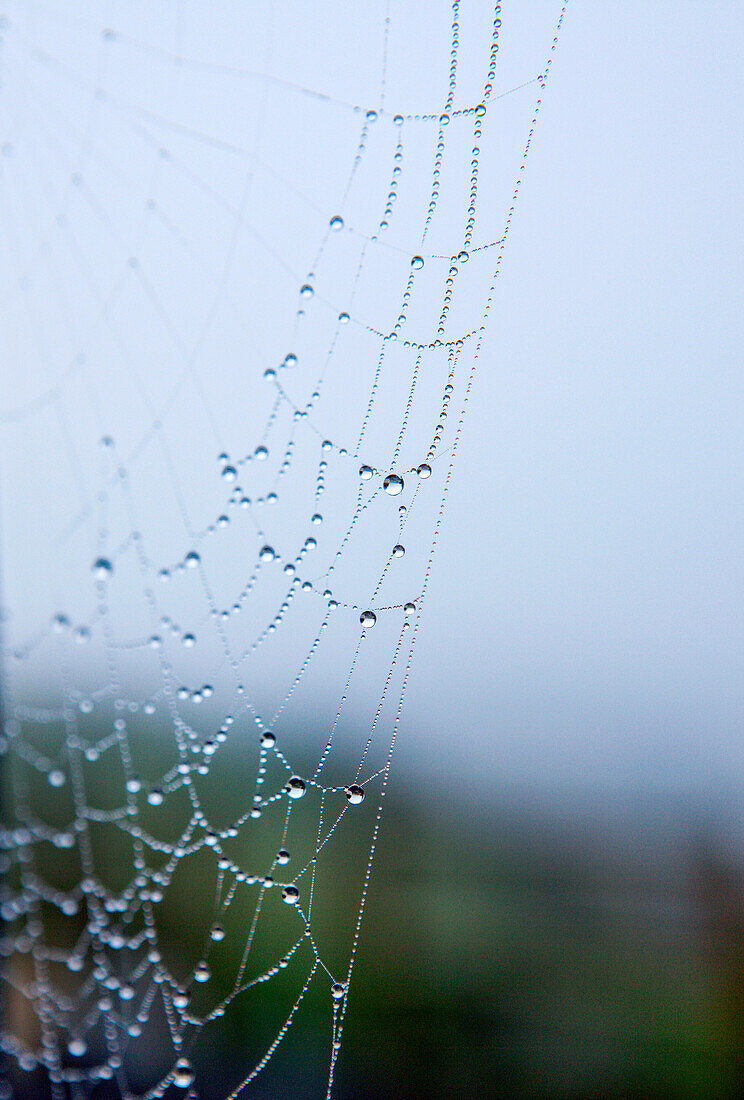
pixel 584 619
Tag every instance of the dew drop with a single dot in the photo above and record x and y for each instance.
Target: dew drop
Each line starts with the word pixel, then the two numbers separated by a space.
pixel 229 473
pixel 183 1074
pixel 424 470
pixel 155 797
pixel 336 223
pixel 398 120
pixel 218 932
pixel 192 559
pixel 56 778
pixel 317 519
pixel 202 973
pixel 355 794
pixel 410 608
pixel 480 110
pixel 261 453
pixel 343 318
pixel 291 895
pixel 398 550
pixel 268 739
pixel 393 485
pixel 367 618
pixel 295 787
pixel 282 856
pixel 306 291
pixel 77 1047
pixel 366 473
pixel 267 553
pixel 417 263
pixel 337 991
pixel 189 641
pixel 102 568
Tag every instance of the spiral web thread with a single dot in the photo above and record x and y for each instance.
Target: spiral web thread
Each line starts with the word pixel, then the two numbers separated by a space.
pixel 198 626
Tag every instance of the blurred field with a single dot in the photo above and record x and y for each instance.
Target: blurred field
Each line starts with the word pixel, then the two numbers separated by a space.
pixel 519 949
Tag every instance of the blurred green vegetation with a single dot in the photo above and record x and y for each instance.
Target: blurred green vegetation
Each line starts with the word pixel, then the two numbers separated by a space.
pixel 507 949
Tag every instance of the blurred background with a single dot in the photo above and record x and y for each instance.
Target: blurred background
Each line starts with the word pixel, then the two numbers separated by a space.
pixel 556 906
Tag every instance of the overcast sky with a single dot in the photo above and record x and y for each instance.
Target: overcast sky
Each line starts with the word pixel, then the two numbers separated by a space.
pixel 584 620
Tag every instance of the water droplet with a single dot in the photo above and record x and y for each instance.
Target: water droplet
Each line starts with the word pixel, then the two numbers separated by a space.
pixel 282 856
pixel 417 263
pixel 444 119
pixel 56 778
pixel 424 470
pixel 355 794
pixel 480 110
pixel 134 784
pixel 317 519
pixel 336 223
pixel 77 1047
pixel 306 291
pixel 229 473
pixel 218 932
pixel 192 559
pixel 290 359
pixel 189 641
pixel 261 453
pixel 102 568
pixel 291 895
pixel 60 623
pixel 393 485
pixel 366 473
pixel 410 608
pixel 343 318
pixel 183 1074
pixel 463 257
pixel 267 553
pixel 398 550
pixel 337 991
pixel 295 787
pixel 155 797
pixel 268 739
pixel 202 973
pixel 367 618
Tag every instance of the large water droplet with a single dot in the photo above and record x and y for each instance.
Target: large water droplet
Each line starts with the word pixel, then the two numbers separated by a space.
pixel 291 895
pixel 267 553
pixel 229 473
pixel 424 470
pixel 398 550
pixel 366 473
pixel 102 568
pixel 355 794
pixel 282 856
pixel 295 787
pixel 367 618
pixel 336 223
pixel 337 991
pixel 183 1074
pixel 192 559
pixel 417 262
pixel 202 973
pixel 393 485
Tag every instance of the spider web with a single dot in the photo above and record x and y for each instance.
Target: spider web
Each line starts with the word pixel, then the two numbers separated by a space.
pixel 245 308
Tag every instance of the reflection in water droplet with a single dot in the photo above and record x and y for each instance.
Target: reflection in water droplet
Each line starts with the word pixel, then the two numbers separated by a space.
pixel 355 794
pixel 410 608
pixel 398 550
pixel 102 568
pixel 393 485
pixel 368 618
pixel 291 895
pixel 417 263
pixel 365 472
pixel 267 553
pixel 424 470
pixel 295 787
pixel 337 991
